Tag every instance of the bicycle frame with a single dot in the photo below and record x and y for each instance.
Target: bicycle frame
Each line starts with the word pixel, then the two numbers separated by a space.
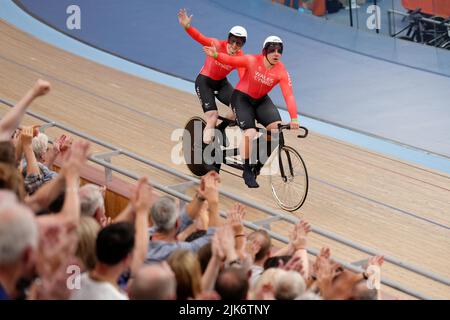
pixel 235 164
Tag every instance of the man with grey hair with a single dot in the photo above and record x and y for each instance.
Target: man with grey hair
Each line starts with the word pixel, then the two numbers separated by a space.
pixel 169 222
pixel 289 285
pixel 18 243
pixel 39 145
pixel 92 203
pixel 154 282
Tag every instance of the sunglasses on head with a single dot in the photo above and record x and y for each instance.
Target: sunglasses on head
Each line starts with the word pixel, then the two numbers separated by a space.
pixel 275 47
pixel 238 41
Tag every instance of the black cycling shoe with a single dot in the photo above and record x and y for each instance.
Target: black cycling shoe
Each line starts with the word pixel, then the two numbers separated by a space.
pixel 250 180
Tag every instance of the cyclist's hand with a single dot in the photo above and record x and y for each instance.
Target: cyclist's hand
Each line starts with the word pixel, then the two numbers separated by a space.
pixel 294 125
pixel 210 51
pixel 183 18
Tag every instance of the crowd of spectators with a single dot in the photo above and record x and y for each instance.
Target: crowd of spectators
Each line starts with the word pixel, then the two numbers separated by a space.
pixel 58 242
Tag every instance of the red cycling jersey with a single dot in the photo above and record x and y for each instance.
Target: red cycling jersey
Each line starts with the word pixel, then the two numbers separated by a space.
pixel 213 68
pixel 257 81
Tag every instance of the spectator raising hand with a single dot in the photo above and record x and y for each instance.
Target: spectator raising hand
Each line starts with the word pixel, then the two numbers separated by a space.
pixel 41 88
pixel 12 119
pixel 299 235
pixel 234 219
pixel 373 272
pixel 60 147
pixel 209 190
pixel 251 249
pixel 71 170
pixel 235 216
pixel 209 187
pixel 142 200
pixel 298 243
pixel 76 158
pixel 218 256
pixel 26 138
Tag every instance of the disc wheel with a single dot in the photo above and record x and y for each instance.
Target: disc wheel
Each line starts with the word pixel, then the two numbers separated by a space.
pixel 193 146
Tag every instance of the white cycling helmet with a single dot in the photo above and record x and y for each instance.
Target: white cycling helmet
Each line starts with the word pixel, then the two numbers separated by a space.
pixel 239 31
pixel 272 39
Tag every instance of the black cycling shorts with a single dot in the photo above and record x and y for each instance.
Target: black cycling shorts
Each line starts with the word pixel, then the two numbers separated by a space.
pixel 208 90
pixel 248 109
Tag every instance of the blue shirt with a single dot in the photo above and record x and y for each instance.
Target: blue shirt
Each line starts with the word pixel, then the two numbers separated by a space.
pixel 3 295
pixel 160 250
pixel 47 174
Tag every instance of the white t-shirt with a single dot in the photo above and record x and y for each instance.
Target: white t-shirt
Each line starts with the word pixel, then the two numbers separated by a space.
pixel 96 290
pixel 257 271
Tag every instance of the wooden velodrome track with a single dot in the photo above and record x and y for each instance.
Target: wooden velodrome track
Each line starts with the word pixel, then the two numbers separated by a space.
pixel 358 194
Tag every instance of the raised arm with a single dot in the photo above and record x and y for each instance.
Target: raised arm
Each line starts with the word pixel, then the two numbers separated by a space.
pixel 71 170
pixel 241 62
pixel 142 201
pixel 26 138
pixel 14 116
pixel 235 61
pixel 300 242
pixel 70 212
pixel 288 94
pixel 185 21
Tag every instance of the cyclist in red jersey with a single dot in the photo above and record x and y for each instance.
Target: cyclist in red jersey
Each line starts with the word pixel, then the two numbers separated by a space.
pixel 250 101
pixel 212 81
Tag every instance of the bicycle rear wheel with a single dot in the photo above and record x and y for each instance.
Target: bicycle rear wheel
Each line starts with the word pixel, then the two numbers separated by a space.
pixel 193 146
pixel 289 192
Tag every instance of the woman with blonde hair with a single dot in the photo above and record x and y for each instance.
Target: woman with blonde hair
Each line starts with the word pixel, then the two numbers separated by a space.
pixel 87 231
pixel 185 265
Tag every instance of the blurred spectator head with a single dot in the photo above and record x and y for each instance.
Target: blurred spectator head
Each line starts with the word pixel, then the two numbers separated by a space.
pixel 343 286
pixel 18 243
pixel 153 282
pixel 232 284
pixel 115 244
pixel 274 262
pixel 362 292
pixel 165 214
pixel 185 265
pixel 268 278
pixel 7 153
pixel 11 179
pixel 92 202
pixel 87 232
pixel 308 295
pixel 262 237
pixel 289 285
pixel 40 146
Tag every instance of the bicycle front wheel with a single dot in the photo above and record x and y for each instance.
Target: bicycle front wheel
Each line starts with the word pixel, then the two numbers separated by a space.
pixel 289 189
